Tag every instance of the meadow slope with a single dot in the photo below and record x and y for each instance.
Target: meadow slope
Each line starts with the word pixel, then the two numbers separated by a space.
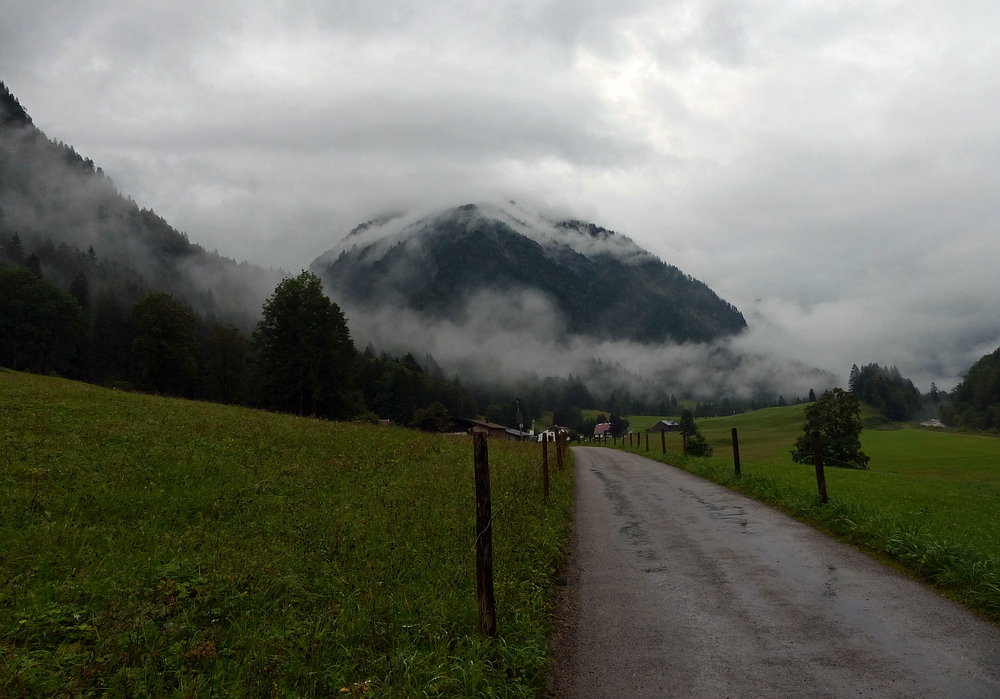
pixel 153 546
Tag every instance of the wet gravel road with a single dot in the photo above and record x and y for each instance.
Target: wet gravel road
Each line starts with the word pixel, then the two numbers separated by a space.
pixel 681 588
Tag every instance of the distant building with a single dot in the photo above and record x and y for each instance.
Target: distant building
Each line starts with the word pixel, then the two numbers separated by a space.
pixel 466 425
pixel 602 430
pixel 665 426
pixel 551 432
pixel 520 435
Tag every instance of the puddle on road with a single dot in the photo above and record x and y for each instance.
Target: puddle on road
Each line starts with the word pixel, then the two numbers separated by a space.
pixel 731 513
pixel 622 507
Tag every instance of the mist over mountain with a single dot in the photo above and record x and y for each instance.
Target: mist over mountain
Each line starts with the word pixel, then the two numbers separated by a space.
pixel 601 284
pixel 507 293
pixel 494 294
pixel 62 206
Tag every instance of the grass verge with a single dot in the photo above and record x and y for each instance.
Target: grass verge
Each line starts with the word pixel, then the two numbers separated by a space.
pixel 161 547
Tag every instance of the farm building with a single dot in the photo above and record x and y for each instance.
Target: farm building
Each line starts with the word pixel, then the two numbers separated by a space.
pixel 602 430
pixel 464 425
pixel 520 435
pixel 665 426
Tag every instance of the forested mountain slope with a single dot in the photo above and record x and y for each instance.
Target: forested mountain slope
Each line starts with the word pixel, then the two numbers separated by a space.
pixel 603 285
pixel 62 208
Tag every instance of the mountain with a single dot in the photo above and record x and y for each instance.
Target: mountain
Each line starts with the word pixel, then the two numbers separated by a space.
pixel 603 284
pixel 63 209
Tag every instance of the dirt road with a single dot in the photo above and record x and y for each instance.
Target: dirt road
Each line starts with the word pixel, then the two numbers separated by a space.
pixel 681 588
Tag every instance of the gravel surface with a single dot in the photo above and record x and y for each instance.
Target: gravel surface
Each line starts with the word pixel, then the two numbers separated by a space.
pixel 678 587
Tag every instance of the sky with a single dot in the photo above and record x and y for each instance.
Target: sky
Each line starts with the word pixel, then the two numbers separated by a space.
pixel 830 167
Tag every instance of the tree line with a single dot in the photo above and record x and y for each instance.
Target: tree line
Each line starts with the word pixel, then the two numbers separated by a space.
pixel 975 402
pixel 298 358
pixel 885 389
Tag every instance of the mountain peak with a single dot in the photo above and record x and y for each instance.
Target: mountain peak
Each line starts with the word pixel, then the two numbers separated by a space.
pixel 378 235
pixel 600 282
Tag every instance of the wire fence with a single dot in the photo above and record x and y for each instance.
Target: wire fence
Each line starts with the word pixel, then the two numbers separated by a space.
pixel 437 611
pixel 830 460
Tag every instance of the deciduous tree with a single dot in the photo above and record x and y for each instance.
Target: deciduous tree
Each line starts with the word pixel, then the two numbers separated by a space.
pixel 837 417
pixel 41 326
pixel 165 344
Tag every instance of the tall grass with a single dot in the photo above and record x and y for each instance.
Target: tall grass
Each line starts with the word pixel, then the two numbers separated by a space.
pixel 930 504
pixel 160 547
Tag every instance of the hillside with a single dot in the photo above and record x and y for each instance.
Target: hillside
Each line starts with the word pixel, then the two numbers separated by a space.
pixel 162 547
pixel 64 209
pixel 602 284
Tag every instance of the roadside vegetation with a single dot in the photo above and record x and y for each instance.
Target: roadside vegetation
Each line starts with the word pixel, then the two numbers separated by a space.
pixel 929 504
pixel 162 547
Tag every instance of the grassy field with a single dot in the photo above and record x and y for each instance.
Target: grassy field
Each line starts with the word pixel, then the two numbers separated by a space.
pixel 930 503
pixel 159 547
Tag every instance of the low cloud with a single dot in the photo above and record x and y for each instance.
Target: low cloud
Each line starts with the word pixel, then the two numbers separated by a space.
pixel 503 336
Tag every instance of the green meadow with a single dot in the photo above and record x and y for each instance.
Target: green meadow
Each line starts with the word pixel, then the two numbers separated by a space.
pixel 162 547
pixel 929 505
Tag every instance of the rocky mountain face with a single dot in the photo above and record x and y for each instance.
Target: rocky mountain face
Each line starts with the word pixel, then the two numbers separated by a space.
pixel 602 284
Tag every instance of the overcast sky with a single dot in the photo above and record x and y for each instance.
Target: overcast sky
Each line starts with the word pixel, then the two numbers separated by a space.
pixel 832 168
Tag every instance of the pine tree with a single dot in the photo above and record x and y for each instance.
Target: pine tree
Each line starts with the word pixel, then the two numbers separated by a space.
pixel 79 289
pixel 687 423
pixel 852 381
pixel 13 249
pixel 34 265
pixel 307 360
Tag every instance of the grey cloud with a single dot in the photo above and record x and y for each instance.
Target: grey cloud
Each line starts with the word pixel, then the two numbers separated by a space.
pixel 836 161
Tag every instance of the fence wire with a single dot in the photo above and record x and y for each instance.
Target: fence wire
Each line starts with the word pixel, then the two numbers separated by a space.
pixel 460 569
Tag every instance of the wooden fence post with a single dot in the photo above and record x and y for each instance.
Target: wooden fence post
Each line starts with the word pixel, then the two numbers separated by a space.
pixel 663 441
pixel 684 442
pixel 545 465
pixel 647 441
pixel 817 445
pixel 630 439
pixel 560 440
pixel 736 451
pixel 484 538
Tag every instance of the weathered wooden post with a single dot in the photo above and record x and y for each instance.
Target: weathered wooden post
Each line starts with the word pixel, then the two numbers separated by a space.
pixel 630 439
pixel 545 465
pixel 736 451
pixel 647 441
pixel 663 441
pixel 684 442
pixel 484 538
pixel 817 445
pixel 560 439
